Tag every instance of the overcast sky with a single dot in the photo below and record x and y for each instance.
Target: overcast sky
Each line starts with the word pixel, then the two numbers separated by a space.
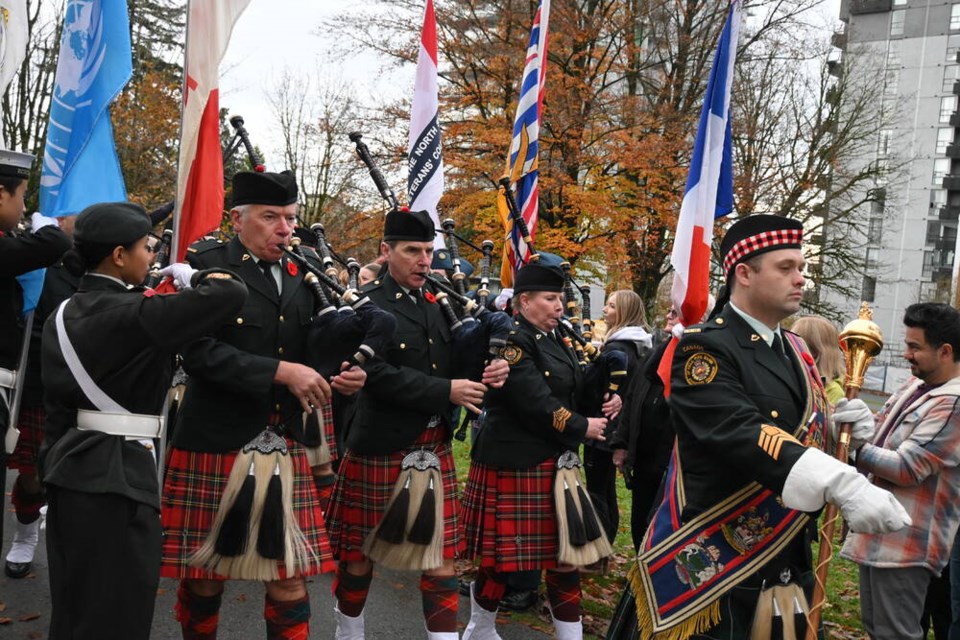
pixel 273 35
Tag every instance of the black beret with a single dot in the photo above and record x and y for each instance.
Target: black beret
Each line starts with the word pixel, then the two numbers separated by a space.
pixel 538 277
pixel 413 226
pixel 14 164
pixel 758 234
pixel 111 224
pixel 443 260
pixel 545 259
pixel 253 187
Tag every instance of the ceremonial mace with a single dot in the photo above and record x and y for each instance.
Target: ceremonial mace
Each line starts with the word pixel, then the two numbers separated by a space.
pixel 861 340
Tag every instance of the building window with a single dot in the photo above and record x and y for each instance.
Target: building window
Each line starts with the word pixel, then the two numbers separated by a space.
pixel 941 168
pixel 897 19
pixel 874 230
pixel 891 82
pixel 928 260
pixel 948 104
pixel 950 75
pixel 893 53
pixel 955 17
pixel 871 260
pixel 883 142
pixel 944 138
pixel 869 289
pixel 938 198
pixel 933 231
pixel 953 44
pixel 899 3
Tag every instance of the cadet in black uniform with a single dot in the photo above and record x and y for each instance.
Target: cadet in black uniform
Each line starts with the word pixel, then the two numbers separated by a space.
pixel 508 507
pixel 405 406
pixel 107 364
pixel 749 411
pixel 19 253
pixel 249 374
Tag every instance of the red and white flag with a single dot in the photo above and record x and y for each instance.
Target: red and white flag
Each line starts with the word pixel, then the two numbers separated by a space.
pixel 200 171
pixel 424 152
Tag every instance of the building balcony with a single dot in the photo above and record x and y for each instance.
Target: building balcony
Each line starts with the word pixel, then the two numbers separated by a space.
pixel 954 118
pixel 956 87
pixel 839 39
pixel 951 182
pixel 953 150
pixel 870 6
pixel 950 212
pixel 835 68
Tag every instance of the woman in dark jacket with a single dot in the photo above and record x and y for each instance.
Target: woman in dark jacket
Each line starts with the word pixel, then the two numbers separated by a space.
pixel 626 331
pixel 508 509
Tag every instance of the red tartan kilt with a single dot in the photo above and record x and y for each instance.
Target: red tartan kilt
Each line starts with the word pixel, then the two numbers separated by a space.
pixel 509 518
pixel 363 489
pixel 193 485
pixel 24 456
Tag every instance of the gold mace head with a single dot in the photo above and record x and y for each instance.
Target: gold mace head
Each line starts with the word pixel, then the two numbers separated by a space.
pixel 861 340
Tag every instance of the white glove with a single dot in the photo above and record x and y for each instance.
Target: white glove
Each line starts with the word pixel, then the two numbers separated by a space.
pixel 859 415
pixel 500 302
pixel 677 330
pixel 180 272
pixel 817 478
pixel 39 221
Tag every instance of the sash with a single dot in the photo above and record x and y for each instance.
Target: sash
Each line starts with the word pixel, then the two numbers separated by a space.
pixel 683 569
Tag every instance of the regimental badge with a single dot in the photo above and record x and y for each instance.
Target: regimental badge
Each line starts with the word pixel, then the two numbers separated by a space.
pixel 701 368
pixel 511 354
pixel 749 529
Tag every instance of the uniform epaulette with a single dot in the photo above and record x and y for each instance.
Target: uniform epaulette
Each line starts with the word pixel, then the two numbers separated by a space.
pixel 205 244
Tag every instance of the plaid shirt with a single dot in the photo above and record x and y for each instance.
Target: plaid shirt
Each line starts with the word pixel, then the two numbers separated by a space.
pixel 917 462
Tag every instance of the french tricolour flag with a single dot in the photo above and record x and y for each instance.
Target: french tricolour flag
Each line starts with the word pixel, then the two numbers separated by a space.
pixel 425 153
pixel 709 192
pixel 200 171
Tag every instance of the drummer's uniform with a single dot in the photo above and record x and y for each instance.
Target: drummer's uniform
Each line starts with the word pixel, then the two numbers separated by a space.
pixel 103 529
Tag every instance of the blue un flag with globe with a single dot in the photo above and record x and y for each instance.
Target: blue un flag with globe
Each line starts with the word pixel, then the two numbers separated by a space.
pixel 80 165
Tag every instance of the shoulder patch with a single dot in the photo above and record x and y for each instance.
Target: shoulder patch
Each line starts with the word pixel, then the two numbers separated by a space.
pixel 700 368
pixel 691 347
pixel 511 354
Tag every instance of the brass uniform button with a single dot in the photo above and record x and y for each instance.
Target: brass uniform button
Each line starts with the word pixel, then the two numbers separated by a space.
pixel 774 414
pixel 719 320
pixel 546 373
pixel 239 320
pixel 434 365
pixel 403 345
pixel 280 350
pixel 430 340
pixel 281 318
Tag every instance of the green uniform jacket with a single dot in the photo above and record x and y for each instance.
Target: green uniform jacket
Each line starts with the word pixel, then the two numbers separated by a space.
pixel 533 416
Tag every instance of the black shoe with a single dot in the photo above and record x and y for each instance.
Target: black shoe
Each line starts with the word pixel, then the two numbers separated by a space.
pixel 464 586
pixel 17 570
pixel 519 600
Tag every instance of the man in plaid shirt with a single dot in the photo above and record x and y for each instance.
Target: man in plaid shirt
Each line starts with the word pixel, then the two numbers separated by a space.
pixel 914 453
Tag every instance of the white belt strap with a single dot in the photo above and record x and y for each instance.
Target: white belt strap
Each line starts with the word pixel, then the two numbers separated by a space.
pixel 130 425
pixel 95 394
pixel 110 417
pixel 8 378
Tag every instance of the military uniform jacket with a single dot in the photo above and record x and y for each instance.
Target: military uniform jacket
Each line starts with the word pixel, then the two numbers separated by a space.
pixel 410 383
pixel 18 255
pixel 734 404
pixel 126 340
pixel 231 395
pixel 532 417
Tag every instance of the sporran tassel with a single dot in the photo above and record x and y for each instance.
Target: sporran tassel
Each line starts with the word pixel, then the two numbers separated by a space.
pixel 573 508
pixel 410 534
pixel 315 440
pixel 231 540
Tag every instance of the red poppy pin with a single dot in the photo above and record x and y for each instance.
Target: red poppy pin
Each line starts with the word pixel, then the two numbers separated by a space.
pixel 429 297
pixel 807 358
pixel 292 268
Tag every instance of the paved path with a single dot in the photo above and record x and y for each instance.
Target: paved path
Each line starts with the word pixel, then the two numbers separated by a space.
pixel 393 610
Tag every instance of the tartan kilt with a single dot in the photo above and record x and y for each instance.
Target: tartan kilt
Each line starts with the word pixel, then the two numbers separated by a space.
pixel 192 488
pixel 509 518
pixel 24 456
pixel 363 489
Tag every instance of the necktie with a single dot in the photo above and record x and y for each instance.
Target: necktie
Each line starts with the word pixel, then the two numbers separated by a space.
pixel 778 347
pixel 267 268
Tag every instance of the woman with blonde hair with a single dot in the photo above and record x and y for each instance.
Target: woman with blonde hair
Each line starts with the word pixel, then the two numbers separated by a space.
pixel 626 323
pixel 824 342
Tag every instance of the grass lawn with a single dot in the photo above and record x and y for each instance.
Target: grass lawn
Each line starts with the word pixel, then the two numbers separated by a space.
pixel 602 592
